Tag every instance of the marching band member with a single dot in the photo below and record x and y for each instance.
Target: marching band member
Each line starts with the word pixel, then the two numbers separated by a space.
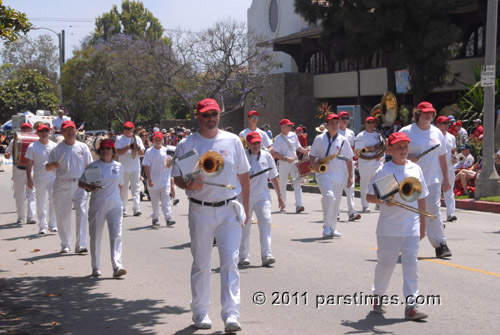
pixel 105 205
pixel 424 136
pixel 69 158
pixel 253 119
pixel 260 198
pixel 213 212
pixel 349 191
pixel 158 165
pixel 37 155
pixel 449 141
pixel 398 230
pixel 21 191
pixel 285 147
pixel 58 121
pixel 366 167
pixel 131 166
pixel 332 182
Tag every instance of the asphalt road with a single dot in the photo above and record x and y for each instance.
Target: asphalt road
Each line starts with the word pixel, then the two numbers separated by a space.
pixel 44 292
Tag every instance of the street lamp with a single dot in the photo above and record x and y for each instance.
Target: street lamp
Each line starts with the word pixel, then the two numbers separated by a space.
pixel 60 37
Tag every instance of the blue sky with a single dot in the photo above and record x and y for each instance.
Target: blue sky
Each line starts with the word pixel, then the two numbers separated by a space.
pixel 77 18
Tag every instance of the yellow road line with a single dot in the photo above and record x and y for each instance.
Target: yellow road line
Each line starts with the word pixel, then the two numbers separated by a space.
pixel 468 268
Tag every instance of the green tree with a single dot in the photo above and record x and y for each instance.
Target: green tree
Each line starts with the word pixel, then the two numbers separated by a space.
pixel 12 23
pixel 27 89
pixel 134 20
pixel 417 35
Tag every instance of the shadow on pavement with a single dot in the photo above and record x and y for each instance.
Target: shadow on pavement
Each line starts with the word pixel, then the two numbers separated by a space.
pixel 70 305
pixel 320 239
pixel 370 323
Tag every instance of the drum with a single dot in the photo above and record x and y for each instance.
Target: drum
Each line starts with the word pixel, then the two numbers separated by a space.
pixel 304 167
pixel 21 143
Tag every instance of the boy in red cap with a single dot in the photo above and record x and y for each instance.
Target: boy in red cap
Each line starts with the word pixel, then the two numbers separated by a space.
pixel 253 120
pixel 398 230
pixel 158 165
pixel 129 156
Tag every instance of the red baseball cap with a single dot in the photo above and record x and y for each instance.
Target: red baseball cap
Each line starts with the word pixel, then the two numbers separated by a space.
pixel 343 113
pixel 206 105
pixel 396 137
pixel 442 119
pixel 42 127
pixel 253 113
pixel 27 125
pixel 426 107
pixel 128 124
pixel 332 117
pixel 158 134
pixel 299 129
pixel 107 143
pixel 370 118
pixel 287 122
pixel 67 124
pixel 458 123
pixel 253 137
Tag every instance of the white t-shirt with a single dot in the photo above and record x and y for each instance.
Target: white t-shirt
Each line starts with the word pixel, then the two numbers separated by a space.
pixel 112 177
pixel 129 164
pixel 157 159
pixel 422 140
pixel 266 141
pixel 258 185
pixel 394 220
pixel 280 145
pixel 364 140
pixel 57 122
pixel 75 160
pixel 235 162
pixel 449 143
pixel 39 154
pixel 349 135
pixel 467 163
pixel 336 167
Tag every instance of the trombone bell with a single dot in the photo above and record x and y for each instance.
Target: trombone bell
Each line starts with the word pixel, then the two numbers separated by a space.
pixel 211 164
pixel 410 189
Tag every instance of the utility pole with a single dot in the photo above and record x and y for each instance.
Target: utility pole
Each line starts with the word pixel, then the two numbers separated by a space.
pixel 488 182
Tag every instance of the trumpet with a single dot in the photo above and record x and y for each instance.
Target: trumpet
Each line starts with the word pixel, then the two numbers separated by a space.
pixel 211 165
pixel 410 189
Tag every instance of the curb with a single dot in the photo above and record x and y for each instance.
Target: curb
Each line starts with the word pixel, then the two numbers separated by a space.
pixel 467 204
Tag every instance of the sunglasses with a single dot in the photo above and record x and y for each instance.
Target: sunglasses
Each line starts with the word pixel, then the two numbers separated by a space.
pixel 127 128
pixel 207 115
pixel 344 118
pixel 254 117
pixel 370 122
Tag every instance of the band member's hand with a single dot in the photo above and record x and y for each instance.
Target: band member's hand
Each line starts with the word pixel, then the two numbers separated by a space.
pixel 194 186
pixel 172 192
pixel 281 204
pixel 247 217
pixel 7 155
pixel 422 234
pixel 290 159
pixel 389 202
pixel 446 185
pixel 315 166
pixel 349 182
pixel 168 163
pixel 29 183
pixel 53 165
pixel 413 159
pixel 150 183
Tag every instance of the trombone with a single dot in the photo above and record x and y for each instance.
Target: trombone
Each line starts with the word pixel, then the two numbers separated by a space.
pixel 211 164
pixel 409 190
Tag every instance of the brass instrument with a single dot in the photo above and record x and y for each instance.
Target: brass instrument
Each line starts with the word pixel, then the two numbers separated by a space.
pixel 211 165
pixel 243 141
pixel 323 162
pixel 377 152
pixel 410 189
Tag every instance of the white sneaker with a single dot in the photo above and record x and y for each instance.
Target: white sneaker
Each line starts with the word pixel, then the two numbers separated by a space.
pixel 231 325
pixel 64 250
pixel 244 261
pixel 81 250
pixel 366 210
pixel 118 272
pixel 96 273
pixel 268 260
pixel 53 229
pixel 336 233
pixel 327 232
pixel 42 231
pixel 202 321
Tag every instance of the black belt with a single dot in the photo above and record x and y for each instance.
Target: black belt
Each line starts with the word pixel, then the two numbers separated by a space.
pixel 21 167
pixel 212 204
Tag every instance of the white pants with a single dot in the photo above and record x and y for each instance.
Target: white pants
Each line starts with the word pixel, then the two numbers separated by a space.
pixel 388 251
pixel 205 223
pixel 449 197
pixel 262 209
pixel 163 195
pixel 44 187
pixel 134 179
pixel 349 193
pixel 67 194
pixel 331 194
pixel 286 169
pixel 365 175
pixel 434 227
pixel 99 212
pixel 22 192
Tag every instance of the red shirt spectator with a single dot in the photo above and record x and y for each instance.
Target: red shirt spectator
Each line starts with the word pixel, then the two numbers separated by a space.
pixel 477 135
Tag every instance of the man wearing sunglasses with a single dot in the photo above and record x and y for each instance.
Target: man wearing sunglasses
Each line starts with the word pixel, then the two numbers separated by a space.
pixel 131 166
pixel 349 191
pixel 253 119
pixel 368 138
pixel 37 155
pixel 214 212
